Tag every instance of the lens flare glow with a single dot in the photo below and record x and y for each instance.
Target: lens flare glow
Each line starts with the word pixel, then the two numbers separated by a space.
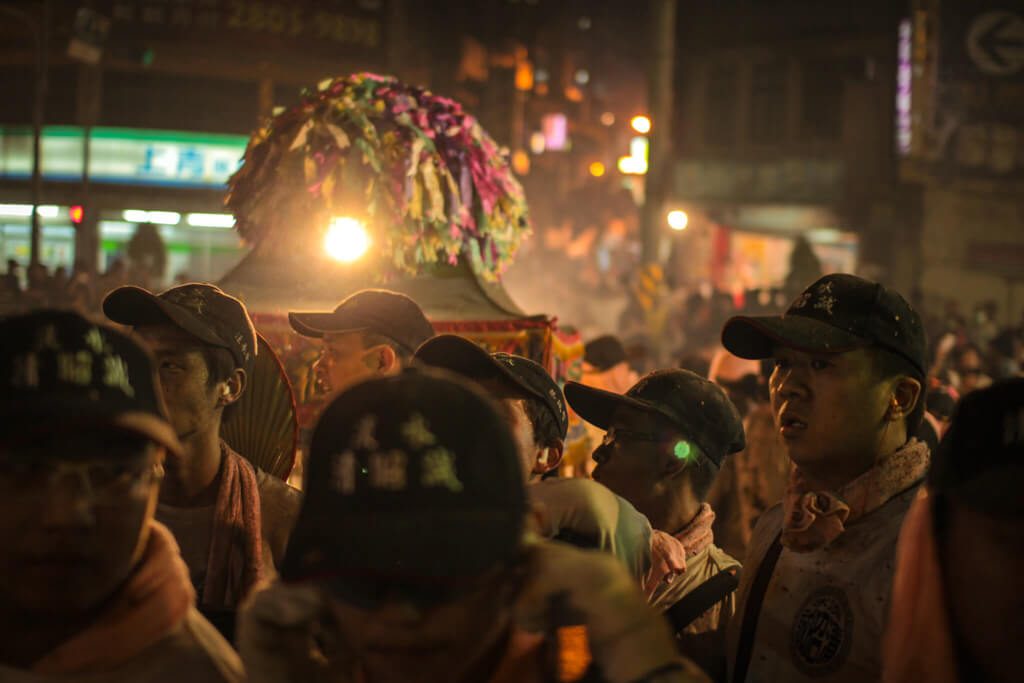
pixel 678 220
pixel 682 450
pixel 641 124
pixel 346 240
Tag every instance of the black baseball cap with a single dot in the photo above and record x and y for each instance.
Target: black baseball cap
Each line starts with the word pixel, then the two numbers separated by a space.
pixel 391 314
pixel 463 357
pixel 980 459
pixel 58 370
pixel 605 352
pixel 838 313
pixel 698 408
pixel 410 476
pixel 201 309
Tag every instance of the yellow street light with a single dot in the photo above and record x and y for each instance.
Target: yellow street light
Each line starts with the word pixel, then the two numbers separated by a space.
pixel 641 124
pixel 677 220
pixel 632 165
pixel 521 162
pixel 597 169
pixel 346 239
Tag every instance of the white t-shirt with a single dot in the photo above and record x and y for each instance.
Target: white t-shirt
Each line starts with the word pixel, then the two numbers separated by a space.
pixel 824 612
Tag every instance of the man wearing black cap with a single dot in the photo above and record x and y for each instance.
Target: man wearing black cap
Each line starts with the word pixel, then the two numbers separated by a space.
pixel 412 539
pixel 577 511
pixel 231 520
pixel 91 587
pixel 665 441
pixel 372 333
pixel 846 398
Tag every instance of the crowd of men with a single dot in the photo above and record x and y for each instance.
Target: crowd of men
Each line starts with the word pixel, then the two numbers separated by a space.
pixel 787 518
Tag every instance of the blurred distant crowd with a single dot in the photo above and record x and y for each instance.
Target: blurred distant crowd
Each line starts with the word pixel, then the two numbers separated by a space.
pixel 27 288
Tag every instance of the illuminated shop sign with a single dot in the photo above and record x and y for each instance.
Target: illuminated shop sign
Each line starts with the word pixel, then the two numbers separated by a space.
pixel 904 81
pixel 125 155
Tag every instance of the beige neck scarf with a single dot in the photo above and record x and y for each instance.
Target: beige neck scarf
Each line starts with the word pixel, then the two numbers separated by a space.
pixel 813 519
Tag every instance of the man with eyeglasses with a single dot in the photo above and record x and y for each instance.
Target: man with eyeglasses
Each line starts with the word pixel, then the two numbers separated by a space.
pixel 91 586
pixel 665 441
pixel 411 556
pixel 371 333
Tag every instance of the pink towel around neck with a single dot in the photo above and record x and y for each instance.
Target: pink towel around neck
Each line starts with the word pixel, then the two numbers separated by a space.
pixel 235 563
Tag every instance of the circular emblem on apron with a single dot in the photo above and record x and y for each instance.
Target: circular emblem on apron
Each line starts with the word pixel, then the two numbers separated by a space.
pixel 822 630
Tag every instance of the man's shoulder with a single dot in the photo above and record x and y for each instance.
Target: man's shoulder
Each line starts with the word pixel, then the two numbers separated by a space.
pixel 196 651
pixel 769 524
pixel 587 514
pixel 571 488
pixel 767 529
pixel 276 493
pixel 719 560
pixel 582 505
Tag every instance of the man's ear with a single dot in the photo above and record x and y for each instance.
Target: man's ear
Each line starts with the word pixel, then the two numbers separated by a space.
pixel 382 360
pixel 549 458
pixel 905 396
pixel 232 388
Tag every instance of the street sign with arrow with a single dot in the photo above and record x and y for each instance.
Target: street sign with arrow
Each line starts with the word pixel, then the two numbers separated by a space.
pixel 995 43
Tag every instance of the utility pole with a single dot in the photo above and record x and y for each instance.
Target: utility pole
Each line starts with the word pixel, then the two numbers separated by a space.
pixel 38 29
pixel 90 79
pixel 86 46
pixel 659 98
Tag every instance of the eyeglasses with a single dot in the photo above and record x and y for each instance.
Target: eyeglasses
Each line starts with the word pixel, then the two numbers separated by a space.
pixel 105 481
pixel 615 434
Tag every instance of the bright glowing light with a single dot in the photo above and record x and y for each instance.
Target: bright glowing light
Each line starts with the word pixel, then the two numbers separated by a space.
pixel 524 75
pixel 25 210
pixel 597 169
pixel 582 76
pixel 158 217
pixel 116 229
pixel 538 143
pixel 607 119
pixel 346 240
pixel 633 165
pixel 639 148
pixel 210 220
pixel 678 220
pixel 682 450
pixel 76 213
pixel 521 162
pixel 641 124
pixel 555 127
pixel 15 209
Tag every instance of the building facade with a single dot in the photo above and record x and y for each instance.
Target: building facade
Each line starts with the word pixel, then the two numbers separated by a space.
pixel 149 105
pixel 784 129
pixel 963 145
